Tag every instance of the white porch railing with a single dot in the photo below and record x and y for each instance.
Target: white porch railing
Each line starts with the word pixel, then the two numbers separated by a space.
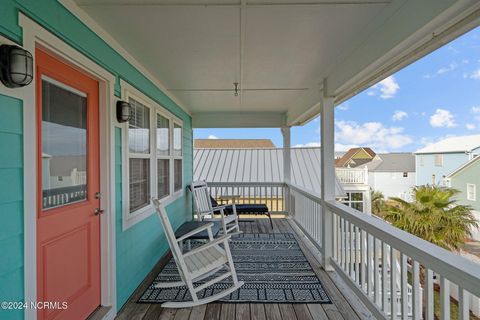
pixel 273 194
pixel 363 245
pixel 306 210
pixel 352 175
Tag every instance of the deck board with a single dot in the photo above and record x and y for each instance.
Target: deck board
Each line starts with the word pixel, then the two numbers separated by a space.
pixel 339 309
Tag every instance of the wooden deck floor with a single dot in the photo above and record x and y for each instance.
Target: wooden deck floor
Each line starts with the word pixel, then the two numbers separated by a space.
pixel 339 309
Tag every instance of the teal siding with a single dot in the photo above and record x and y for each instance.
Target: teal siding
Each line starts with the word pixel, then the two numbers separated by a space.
pixel 138 248
pixel 11 204
pixel 141 246
pixel 470 174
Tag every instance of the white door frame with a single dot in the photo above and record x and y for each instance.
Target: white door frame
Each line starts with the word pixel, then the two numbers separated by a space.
pixel 35 36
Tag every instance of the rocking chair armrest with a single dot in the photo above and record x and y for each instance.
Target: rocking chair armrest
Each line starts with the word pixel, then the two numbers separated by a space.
pixel 195 231
pixel 215 242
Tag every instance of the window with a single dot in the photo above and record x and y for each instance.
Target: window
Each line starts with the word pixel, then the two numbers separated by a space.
pixel 154 155
pixel 163 156
pixel 471 192
pixel 405 174
pixel 421 161
pixel 139 155
pixel 439 160
pixel 354 200
pixel 177 152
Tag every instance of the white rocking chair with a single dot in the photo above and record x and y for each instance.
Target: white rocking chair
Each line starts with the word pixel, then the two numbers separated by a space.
pixel 204 207
pixel 198 263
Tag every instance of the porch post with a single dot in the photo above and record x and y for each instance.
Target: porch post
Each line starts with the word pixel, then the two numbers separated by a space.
pixel 327 175
pixel 286 166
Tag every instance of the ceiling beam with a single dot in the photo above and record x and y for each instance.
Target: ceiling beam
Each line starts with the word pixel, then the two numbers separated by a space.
pixel 228 4
pixel 238 120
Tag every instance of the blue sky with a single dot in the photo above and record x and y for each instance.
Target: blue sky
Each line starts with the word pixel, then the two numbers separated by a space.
pixel 436 97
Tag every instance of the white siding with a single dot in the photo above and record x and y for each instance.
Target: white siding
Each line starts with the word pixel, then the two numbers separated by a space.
pixel 392 184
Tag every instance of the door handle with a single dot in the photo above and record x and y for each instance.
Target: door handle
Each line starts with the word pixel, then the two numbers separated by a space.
pixel 98 211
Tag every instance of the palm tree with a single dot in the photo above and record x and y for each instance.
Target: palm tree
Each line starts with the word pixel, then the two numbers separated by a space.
pixel 378 202
pixel 433 216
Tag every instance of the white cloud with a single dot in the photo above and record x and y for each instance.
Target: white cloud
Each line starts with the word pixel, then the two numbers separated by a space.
pixel 399 115
pixel 442 119
pixel 475 109
pixel 371 134
pixel 470 126
pixel 475 75
pixel 388 87
pixel 212 137
pixel 452 66
pixel 344 106
pixel 307 145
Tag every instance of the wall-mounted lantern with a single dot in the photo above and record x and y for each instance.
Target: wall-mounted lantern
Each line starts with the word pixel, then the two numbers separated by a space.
pixel 123 111
pixel 16 66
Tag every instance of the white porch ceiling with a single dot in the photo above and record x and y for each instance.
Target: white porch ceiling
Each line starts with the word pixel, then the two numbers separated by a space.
pixel 279 51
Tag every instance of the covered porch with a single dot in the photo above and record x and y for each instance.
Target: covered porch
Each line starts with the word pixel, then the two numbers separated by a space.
pixel 344 304
pixel 212 64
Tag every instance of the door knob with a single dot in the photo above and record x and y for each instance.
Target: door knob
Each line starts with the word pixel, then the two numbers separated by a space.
pixel 98 211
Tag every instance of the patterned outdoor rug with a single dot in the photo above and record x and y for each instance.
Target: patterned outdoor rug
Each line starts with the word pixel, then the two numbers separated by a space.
pixel 272 266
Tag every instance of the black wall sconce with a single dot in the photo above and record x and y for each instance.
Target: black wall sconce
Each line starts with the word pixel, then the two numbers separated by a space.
pixel 123 111
pixel 16 66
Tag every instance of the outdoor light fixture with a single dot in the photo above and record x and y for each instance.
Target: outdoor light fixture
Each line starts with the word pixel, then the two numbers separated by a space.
pixel 16 66
pixel 123 111
pixel 236 89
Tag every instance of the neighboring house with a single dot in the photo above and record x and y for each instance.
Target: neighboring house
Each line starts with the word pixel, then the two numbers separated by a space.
pixel 466 179
pixel 436 161
pixel 393 174
pixel 63 171
pixel 355 157
pixel 233 144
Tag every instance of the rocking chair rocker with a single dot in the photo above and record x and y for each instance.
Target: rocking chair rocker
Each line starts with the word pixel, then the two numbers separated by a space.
pixel 198 263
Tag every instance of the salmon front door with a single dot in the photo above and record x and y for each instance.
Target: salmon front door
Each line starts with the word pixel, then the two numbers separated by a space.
pixel 68 215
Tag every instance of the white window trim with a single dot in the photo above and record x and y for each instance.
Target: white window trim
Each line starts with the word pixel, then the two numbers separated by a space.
pixel 129 219
pixel 474 186
pixel 172 167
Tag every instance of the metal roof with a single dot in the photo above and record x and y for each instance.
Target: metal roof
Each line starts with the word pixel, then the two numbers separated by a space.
pixel 392 162
pixel 260 165
pixel 453 144
pixel 233 144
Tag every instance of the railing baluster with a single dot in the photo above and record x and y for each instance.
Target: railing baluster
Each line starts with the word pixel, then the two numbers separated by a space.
pixel 444 298
pixel 363 258
pixel 404 285
pixel 376 270
pixel 416 298
pixel 463 304
pixel 369 265
pixel 428 292
pixel 343 244
pixel 357 256
pixel 339 240
pixel 384 277
pixel 393 283
pixel 351 251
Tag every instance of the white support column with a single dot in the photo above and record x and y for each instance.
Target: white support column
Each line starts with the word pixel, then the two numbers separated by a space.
pixel 286 154
pixel 286 166
pixel 327 130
